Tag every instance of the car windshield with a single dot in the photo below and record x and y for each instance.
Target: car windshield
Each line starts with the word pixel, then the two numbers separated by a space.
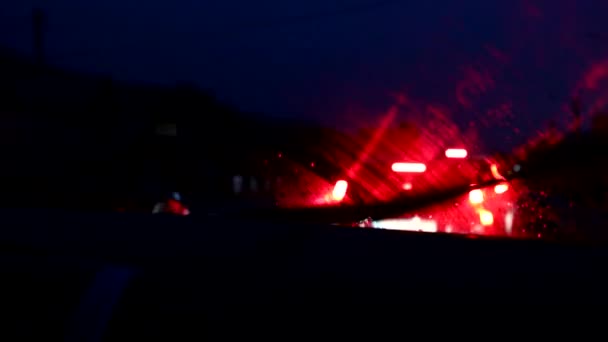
pixel 468 117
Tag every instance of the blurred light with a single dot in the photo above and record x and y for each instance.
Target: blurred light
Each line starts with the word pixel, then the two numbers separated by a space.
pixel 501 188
pixel 176 196
pixel 477 229
pixel 407 186
pixel 409 167
pixel 485 217
pixel 495 173
pixel 456 153
pixel 476 196
pixel 340 190
pixel 509 222
pixel 517 168
pixel 413 225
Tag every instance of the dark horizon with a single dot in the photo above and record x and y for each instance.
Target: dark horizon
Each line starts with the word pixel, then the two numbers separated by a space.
pixel 507 68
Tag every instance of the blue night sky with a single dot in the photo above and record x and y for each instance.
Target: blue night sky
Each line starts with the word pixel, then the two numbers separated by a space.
pixel 337 61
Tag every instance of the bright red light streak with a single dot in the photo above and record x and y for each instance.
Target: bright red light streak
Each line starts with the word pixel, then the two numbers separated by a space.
pixel 409 167
pixel 339 190
pixel 456 153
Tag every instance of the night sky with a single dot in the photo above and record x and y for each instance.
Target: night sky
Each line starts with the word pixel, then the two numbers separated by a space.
pixel 505 66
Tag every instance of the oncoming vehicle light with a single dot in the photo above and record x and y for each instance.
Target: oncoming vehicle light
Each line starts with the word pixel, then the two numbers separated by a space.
pixel 415 224
pixel 409 167
pixel 456 153
pixel 339 191
pixel 476 196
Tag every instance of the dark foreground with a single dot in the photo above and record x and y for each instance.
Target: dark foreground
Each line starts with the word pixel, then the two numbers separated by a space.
pixel 129 278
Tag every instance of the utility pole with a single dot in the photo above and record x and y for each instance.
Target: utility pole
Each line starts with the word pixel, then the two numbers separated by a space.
pixel 38 23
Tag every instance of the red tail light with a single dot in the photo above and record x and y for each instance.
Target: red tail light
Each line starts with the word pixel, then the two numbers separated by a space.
pixel 339 191
pixel 456 153
pixel 485 217
pixel 501 188
pixel 409 167
pixel 476 196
